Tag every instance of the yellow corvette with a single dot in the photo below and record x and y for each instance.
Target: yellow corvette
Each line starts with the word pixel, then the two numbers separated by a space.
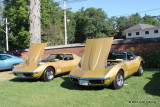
pixel 45 69
pixel 99 67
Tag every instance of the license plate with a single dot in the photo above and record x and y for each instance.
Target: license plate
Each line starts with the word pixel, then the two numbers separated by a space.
pixel 83 82
pixel 20 75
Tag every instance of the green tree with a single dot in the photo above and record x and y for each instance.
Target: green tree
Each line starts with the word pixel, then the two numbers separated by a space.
pixel 147 19
pixel 124 23
pixel 52 22
pixel 80 24
pixel 90 23
pixel 1 9
pixel 70 26
pixel 17 13
pixel 134 19
pixel 2 34
pixel 111 26
pixel 2 37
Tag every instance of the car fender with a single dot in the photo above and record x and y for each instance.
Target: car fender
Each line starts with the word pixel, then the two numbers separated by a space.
pixel 114 70
pixel 139 61
pixel 41 68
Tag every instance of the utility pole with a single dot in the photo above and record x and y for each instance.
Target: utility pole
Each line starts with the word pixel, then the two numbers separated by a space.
pixel 65 16
pixel 6 32
pixel 65 23
pixel 7 46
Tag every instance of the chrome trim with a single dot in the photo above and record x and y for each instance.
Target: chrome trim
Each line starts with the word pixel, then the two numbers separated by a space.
pixel 25 72
pixel 89 78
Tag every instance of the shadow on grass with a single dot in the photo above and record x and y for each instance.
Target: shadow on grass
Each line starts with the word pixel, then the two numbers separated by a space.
pixel 153 86
pixel 152 69
pixel 7 70
pixel 16 79
pixel 23 80
pixel 72 86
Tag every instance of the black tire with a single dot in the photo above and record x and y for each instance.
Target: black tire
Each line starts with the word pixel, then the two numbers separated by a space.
pixel 140 70
pixel 48 74
pixel 118 82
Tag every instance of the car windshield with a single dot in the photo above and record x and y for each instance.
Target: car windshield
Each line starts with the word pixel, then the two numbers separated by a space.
pixel 55 57
pixel 116 56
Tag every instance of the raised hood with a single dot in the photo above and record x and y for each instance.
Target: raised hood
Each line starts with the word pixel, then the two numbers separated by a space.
pixel 34 54
pixel 95 54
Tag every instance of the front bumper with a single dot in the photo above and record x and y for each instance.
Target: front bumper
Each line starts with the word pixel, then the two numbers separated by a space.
pixel 90 81
pixel 26 74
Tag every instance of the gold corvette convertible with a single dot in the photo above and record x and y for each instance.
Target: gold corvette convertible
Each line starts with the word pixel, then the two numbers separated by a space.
pixel 99 67
pixel 45 69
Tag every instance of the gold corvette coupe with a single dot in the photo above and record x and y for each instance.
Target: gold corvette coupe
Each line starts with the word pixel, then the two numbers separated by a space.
pixel 45 69
pixel 99 67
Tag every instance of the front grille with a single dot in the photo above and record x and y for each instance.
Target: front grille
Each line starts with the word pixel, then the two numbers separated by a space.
pixel 96 81
pixel 28 74
pixel 74 79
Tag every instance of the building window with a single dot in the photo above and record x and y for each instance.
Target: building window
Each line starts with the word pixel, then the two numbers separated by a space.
pixel 146 32
pixel 129 34
pixel 155 31
pixel 137 33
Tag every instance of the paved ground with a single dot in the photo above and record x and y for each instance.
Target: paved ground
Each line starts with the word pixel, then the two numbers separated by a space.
pixel 6 75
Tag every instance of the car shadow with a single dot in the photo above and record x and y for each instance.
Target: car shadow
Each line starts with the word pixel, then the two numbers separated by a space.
pixel 72 86
pixel 153 86
pixel 16 79
pixel 6 70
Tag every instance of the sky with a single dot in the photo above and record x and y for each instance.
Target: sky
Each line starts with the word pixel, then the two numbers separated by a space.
pixel 118 7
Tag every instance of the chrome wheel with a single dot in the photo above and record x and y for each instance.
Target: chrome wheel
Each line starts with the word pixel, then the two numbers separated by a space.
pixel 50 74
pixel 141 69
pixel 120 80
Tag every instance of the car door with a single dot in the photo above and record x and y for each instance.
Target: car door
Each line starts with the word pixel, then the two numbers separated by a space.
pixel 68 63
pixel 131 63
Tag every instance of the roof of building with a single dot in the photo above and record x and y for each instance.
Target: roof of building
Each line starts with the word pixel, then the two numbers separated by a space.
pixel 139 27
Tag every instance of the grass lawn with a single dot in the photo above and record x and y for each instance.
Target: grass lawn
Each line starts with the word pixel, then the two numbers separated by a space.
pixel 61 92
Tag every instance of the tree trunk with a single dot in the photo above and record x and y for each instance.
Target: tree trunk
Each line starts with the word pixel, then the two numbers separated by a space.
pixel 35 22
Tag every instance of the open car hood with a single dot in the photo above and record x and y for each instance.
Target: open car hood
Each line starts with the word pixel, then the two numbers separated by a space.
pixel 34 54
pixel 95 54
